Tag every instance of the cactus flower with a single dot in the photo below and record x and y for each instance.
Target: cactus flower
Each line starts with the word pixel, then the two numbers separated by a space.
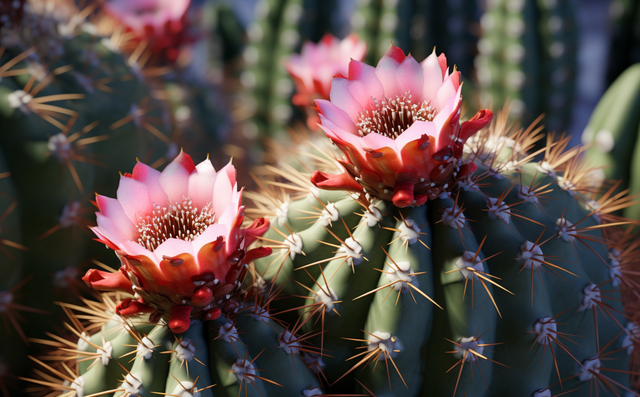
pixel 178 234
pixel 317 64
pixel 160 22
pixel 398 125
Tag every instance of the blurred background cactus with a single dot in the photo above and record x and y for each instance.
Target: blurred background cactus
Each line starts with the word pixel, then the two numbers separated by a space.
pixel 88 87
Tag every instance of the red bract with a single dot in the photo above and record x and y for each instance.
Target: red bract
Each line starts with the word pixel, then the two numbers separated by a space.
pixel 317 64
pixel 398 125
pixel 179 236
pixel 161 23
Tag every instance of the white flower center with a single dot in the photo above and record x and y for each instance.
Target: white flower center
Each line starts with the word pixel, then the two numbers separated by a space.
pixel 181 221
pixel 393 116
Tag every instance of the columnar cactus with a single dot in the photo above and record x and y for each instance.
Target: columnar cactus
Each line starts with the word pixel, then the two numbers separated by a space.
pixel 528 53
pixel 272 38
pixel 468 271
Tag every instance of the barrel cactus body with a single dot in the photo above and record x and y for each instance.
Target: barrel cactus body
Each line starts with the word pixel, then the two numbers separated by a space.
pixel 250 354
pixel 511 274
pixel 468 271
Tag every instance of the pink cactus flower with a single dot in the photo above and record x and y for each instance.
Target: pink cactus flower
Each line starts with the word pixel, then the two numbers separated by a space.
pixel 313 70
pixel 179 236
pixel 398 125
pixel 160 22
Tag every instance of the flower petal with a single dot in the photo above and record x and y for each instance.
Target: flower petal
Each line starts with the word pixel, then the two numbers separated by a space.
pixel 432 77
pixel 410 78
pixel 201 184
pixel 376 141
pixel 209 235
pixel 417 129
pixel 223 190
pixel 386 71
pixel 134 199
pixel 179 268
pixel 151 179
pixel 342 98
pixel 108 229
pixel 336 115
pixel 452 105
pixel 363 83
pixel 170 248
pixel 175 178
pixel 112 209
pixel 446 91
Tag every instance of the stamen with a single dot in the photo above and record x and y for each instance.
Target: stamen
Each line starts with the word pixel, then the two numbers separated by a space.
pixel 391 117
pixel 181 221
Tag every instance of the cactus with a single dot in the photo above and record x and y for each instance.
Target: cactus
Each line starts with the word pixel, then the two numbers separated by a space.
pixel 613 132
pixel 272 39
pixel 499 267
pixel 498 277
pixel 250 354
pixel 528 54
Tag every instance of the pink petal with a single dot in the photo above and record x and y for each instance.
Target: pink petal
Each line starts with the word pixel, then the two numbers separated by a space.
pixel 175 179
pixel 134 249
pixel 151 179
pixel 446 91
pixel 337 116
pixel 415 131
pixel 342 135
pixel 432 77
pixel 108 229
pixel 223 189
pixel 342 98
pixel 111 208
pixel 442 60
pixel 363 83
pixel 210 235
pixel 377 141
pixel 386 73
pixel 173 247
pixel 201 184
pixel 134 199
pixel 185 161
pixel 394 53
pixel 228 215
pixel 410 78
pixel 231 172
